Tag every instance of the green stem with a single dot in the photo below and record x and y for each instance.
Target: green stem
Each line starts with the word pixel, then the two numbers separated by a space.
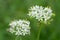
pixel 40 28
pixel 18 38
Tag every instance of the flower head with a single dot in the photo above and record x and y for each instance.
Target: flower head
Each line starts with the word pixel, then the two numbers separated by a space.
pixel 19 27
pixel 40 13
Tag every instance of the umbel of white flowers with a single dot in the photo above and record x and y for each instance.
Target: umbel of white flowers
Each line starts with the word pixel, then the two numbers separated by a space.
pixel 40 13
pixel 19 27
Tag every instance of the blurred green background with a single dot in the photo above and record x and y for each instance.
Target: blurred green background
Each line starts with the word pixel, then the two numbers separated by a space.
pixel 18 9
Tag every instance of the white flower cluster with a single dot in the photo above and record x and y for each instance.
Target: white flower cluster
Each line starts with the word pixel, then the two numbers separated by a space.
pixel 40 13
pixel 19 27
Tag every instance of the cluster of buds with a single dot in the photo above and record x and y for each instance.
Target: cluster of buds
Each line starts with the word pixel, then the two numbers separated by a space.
pixel 42 14
pixel 19 27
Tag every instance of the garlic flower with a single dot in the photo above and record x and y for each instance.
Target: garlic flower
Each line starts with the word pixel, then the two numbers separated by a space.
pixel 40 13
pixel 19 27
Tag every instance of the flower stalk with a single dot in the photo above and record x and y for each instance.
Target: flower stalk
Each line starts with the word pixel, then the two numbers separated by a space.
pixel 39 31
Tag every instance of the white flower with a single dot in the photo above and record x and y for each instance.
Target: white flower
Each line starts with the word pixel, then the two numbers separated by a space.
pixel 40 13
pixel 19 27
